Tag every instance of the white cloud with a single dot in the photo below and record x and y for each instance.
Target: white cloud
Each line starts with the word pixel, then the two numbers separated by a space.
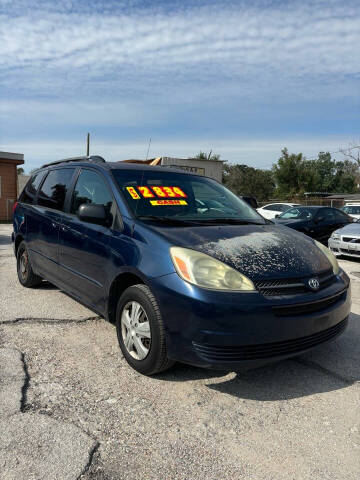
pixel 306 39
pixel 68 66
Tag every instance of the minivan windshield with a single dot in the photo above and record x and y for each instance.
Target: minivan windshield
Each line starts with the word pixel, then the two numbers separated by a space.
pixel 182 198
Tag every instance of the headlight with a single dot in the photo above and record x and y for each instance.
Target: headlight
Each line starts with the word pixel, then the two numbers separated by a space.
pixel 335 236
pixel 207 272
pixel 330 256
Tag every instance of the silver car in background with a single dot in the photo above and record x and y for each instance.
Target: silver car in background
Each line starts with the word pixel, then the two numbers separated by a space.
pixel 346 241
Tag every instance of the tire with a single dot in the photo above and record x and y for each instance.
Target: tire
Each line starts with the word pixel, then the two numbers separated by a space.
pixel 141 332
pixel 26 275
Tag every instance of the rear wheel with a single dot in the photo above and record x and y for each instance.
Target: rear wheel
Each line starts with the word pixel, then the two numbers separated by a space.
pixel 140 331
pixel 26 276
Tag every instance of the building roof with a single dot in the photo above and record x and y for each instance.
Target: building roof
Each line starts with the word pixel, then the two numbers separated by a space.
pixel 346 196
pixel 17 158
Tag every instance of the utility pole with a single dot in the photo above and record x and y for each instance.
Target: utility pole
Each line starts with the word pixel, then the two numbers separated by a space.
pixel 88 145
pixel 147 154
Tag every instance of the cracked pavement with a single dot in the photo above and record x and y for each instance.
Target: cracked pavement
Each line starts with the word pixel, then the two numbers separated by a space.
pixel 70 407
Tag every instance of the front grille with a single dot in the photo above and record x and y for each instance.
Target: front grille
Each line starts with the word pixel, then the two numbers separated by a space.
pixel 217 353
pixel 308 307
pixel 352 252
pixel 351 239
pixel 291 286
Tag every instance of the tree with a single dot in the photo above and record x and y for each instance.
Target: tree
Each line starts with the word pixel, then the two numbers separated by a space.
pixel 352 153
pixel 207 156
pixel 20 171
pixel 245 180
pixel 294 174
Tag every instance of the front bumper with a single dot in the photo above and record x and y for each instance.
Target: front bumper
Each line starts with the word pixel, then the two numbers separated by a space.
pixel 349 249
pixel 228 330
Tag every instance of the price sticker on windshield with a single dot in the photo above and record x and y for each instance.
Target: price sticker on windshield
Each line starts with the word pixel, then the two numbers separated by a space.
pixel 168 202
pixel 156 191
pixel 133 193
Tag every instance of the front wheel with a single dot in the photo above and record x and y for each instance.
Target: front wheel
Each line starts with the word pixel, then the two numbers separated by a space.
pixel 141 332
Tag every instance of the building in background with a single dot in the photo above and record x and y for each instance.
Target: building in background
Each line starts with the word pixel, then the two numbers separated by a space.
pixel 8 182
pixel 209 168
pixel 22 181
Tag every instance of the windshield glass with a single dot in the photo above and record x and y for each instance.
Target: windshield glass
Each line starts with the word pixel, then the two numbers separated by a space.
pixel 181 197
pixel 352 209
pixel 302 213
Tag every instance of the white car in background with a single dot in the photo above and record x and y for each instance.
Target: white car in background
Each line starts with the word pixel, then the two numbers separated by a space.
pixel 352 209
pixel 346 241
pixel 272 209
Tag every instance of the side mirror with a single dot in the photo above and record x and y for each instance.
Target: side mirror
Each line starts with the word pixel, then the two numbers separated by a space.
pixel 277 215
pixel 93 214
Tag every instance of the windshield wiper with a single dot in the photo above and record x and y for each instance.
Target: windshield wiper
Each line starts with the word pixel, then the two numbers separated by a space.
pixel 230 221
pixel 200 221
pixel 169 220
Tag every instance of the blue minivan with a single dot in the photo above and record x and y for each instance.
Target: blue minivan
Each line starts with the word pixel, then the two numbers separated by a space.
pixel 185 269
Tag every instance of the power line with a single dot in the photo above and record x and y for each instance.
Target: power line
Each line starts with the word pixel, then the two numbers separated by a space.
pixel 341 150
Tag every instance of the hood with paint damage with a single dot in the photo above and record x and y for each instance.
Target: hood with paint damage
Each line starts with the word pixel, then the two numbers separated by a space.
pixel 258 251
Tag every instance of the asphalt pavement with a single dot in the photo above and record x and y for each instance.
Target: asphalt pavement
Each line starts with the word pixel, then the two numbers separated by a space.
pixel 71 408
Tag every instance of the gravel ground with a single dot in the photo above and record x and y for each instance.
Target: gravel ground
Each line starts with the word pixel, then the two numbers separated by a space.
pixel 298 419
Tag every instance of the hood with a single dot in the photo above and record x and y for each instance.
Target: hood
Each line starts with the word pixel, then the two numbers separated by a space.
pixel 257 251
pixel 351 228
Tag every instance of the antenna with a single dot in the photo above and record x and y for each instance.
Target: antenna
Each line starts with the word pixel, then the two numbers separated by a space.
pixel 147 154
pixel 88 145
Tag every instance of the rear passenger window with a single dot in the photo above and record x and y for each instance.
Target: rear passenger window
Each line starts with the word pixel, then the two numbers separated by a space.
pixel 272 208
pixel 53 190
pixel 29 192
pixel 91 188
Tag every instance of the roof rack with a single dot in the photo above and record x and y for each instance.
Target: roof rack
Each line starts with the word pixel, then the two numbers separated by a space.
pixel 92 158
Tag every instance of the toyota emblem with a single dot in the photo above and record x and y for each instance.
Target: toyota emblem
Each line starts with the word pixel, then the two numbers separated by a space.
pixel 314 284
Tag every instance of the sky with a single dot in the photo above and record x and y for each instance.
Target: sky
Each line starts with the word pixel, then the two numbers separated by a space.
pixel 241 78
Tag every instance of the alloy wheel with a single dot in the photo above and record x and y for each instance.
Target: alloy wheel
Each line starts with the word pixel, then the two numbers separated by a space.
pixel 135 330
pixel 24 262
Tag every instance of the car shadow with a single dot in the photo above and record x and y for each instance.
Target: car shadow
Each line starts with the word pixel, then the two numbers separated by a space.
pixel 353 261
pixel 332 366
pixel 5 239
pixel 45 285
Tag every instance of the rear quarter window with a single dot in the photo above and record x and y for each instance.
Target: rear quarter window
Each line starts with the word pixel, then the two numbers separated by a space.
pixel 31 188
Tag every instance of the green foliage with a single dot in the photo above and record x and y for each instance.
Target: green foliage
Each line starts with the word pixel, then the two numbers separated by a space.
pixel 244 180
pixel 207 156
pixel 20 170
pixel 294 174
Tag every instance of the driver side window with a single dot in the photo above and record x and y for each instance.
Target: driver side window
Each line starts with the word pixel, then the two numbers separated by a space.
pixel 90 188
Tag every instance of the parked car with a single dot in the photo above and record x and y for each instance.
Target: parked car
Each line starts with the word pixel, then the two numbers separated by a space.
pixel 352 209
pixel 346 241
pixel 217 287
pixel 272 210
pixel 316 222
